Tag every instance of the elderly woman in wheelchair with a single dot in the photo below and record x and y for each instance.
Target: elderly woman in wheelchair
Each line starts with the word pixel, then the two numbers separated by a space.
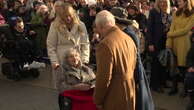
pixel 74 80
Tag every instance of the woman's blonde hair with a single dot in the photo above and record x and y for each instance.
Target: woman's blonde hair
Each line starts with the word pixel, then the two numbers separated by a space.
pixel 66 8
pixel 158 8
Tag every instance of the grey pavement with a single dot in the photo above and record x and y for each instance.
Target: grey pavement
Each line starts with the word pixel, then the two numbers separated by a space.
pixel 37 94
pixel 19 96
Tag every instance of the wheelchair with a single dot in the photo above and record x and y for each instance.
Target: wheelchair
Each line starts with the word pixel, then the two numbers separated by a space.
pixel 18 55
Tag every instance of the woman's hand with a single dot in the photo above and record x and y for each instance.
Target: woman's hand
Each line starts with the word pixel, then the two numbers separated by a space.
pixel 55 66
pixel 151 48
pixel 168 47
pixel 191 69
pixel 82 87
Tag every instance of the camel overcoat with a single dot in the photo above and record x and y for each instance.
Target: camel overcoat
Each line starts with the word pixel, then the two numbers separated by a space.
pixel 116 61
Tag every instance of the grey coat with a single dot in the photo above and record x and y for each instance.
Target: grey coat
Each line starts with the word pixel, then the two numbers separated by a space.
pixel 68 76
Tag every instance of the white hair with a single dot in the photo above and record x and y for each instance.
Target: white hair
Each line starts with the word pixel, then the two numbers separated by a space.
pixel 104 18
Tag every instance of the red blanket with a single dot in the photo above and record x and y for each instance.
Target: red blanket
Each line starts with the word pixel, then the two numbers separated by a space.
pixel 81 100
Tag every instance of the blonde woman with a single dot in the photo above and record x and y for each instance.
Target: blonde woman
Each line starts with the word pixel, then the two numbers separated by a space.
pixel 66 32
pixel 178 37
pixel 158 25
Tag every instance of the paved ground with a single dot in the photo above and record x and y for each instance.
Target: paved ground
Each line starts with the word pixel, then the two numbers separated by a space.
pixel 14 96
pixel 37 94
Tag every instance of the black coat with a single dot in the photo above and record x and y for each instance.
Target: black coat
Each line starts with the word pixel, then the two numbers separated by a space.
pixel 157 31
pixel 190 55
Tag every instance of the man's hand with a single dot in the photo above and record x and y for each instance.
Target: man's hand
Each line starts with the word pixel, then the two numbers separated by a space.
pixel 99 107
pixel 82 87
pixel 95 37
pixel 55 66
pixel 32 32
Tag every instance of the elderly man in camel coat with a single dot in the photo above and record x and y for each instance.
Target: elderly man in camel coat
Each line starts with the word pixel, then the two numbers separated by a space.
pixel 116 61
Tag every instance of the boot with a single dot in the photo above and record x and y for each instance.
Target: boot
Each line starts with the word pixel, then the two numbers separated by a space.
pixel 174 89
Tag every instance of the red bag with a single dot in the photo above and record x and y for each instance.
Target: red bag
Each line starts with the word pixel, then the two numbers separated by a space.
pixel 81 100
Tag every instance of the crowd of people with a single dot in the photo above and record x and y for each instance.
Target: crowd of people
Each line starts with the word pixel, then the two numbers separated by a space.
pixel 106 35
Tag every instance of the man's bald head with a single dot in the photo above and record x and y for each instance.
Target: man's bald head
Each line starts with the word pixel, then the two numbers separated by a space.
pixel 105 18
pixel 104 22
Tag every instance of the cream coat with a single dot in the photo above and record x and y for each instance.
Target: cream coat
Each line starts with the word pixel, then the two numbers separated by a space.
pixel 58 42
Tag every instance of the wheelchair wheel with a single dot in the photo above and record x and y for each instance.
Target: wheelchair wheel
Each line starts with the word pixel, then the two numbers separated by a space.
pixel 15 77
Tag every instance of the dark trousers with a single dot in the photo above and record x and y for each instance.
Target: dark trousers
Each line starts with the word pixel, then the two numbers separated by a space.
pixel 158 73
pixel 191 95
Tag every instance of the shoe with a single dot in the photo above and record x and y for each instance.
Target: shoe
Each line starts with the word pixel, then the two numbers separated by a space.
pixel 37 65
pixel 26 66
pixel 173 92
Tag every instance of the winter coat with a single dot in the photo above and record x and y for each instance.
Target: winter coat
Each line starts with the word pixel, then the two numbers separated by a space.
pixel 138 38
pixel 69 76
pixel 178 38
pixel 59 42
pixel 116 61
pixel 144 99
pixel 190 55
pixel 157 30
